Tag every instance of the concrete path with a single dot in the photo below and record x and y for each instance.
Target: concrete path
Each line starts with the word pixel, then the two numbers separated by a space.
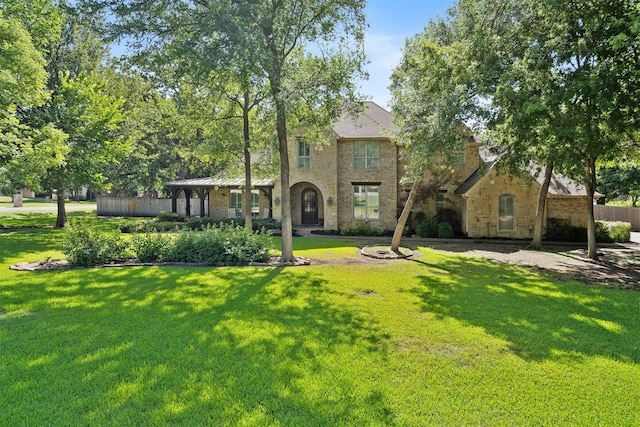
pixel 69 206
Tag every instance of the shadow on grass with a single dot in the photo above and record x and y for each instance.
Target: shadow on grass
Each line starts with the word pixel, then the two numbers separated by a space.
pixel 185 345
pixel 539 319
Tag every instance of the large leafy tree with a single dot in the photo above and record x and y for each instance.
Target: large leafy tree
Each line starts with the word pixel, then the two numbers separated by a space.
pixel 430 104
pixel 562 76
pixel 26 33
pixel 78 109
pixel 266 41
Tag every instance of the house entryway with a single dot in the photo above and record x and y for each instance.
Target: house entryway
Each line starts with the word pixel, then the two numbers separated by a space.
pixel 309 205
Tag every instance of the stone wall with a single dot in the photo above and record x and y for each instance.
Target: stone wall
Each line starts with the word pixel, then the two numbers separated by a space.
pixel 219 203
pixel 481 219
pixel 386 175
pixel 572 208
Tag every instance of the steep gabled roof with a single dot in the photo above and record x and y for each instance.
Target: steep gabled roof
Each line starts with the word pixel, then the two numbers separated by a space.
pixel 373 122
pixel 560 184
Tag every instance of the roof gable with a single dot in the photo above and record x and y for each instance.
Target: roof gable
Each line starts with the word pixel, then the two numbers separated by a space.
pixel 560 184
pixel 373 122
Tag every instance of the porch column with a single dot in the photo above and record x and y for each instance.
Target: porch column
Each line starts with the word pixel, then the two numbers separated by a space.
pixel 187 196
pixel 175 192
pixel 201 194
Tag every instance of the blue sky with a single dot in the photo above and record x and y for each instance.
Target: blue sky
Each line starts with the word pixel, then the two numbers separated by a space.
pixel 390 23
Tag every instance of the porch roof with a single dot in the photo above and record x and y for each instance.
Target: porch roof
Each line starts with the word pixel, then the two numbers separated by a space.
pixel 210 182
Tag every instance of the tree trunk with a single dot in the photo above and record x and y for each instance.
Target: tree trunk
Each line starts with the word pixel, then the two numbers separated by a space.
pixel 590 185
pixel 285 196
pixel 538 226
pixel 61 221
pixel 404 216
pixel 247 164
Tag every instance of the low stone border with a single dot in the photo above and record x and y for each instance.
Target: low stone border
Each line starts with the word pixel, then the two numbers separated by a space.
pixel 64 264
pixel 385 252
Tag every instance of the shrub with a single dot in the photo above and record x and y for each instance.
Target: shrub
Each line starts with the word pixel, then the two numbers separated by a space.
pixel 150 247
pixel 85 246
pixel 361 229
pixel 450 216
pixel 445 230
pixel 427 228
pixel 170 217
pixel 560 229
pixel 227 244
pixel 419 217
pixel 612 231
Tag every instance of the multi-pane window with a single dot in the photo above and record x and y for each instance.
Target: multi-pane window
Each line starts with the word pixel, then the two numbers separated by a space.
pixel 255 203
pixel 366 155
pixel 366 202
pixel 304 154
pixel 440 200
pixel 235 203
pixel 506 212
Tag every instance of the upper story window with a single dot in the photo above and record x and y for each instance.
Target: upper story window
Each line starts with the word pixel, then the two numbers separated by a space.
pixel 440 200
pixel 304 154
pixel 366 155
pixel 506 212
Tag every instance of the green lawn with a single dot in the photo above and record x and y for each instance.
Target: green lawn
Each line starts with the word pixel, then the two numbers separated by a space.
pixel 442 340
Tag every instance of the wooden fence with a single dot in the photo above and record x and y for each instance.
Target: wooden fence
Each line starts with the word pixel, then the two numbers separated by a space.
pixel 144 206
pixel 618 213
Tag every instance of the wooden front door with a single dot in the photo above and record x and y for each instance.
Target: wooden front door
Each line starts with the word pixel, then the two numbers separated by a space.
pixel 309 207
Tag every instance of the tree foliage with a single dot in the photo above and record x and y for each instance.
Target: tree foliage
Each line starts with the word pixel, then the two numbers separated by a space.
pixel 264 42
pixel 431 101
pixel 562 78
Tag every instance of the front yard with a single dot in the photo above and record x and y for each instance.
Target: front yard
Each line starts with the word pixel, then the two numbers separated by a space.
pixel 444 339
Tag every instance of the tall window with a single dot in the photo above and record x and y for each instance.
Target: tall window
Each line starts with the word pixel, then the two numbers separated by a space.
pixel 255 203
pixel 366 155
pixel 366 202
pixel 235 203
pixel 506 212
pixel 304 154
pixel 440 200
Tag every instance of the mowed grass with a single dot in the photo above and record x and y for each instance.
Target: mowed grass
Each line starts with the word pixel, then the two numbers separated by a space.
pixel 441 340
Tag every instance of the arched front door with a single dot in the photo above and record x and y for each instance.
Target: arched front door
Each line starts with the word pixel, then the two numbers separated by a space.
pixel 309 206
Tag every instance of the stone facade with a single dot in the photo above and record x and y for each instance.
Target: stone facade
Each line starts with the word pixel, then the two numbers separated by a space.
pixel 323 180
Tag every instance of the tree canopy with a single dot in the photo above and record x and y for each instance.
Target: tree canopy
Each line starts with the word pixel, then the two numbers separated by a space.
pixel 306 52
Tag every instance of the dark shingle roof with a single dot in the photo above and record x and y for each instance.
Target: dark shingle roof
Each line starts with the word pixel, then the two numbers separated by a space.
pixel 560 185
pixel 373 122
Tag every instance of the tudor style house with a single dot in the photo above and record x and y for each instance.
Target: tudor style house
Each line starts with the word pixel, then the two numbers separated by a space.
pixel 356 178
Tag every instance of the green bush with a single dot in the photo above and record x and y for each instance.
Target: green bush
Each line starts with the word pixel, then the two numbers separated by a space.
pixel 612 231
pixel 450 216
pixel 427 228
pixel 226 244
pixel 560 229
pixel 419 217
pixel 170 217
pixel 445 230
pixel 150 247
pixel 85 246
pixel 193 223
pixel 361 229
